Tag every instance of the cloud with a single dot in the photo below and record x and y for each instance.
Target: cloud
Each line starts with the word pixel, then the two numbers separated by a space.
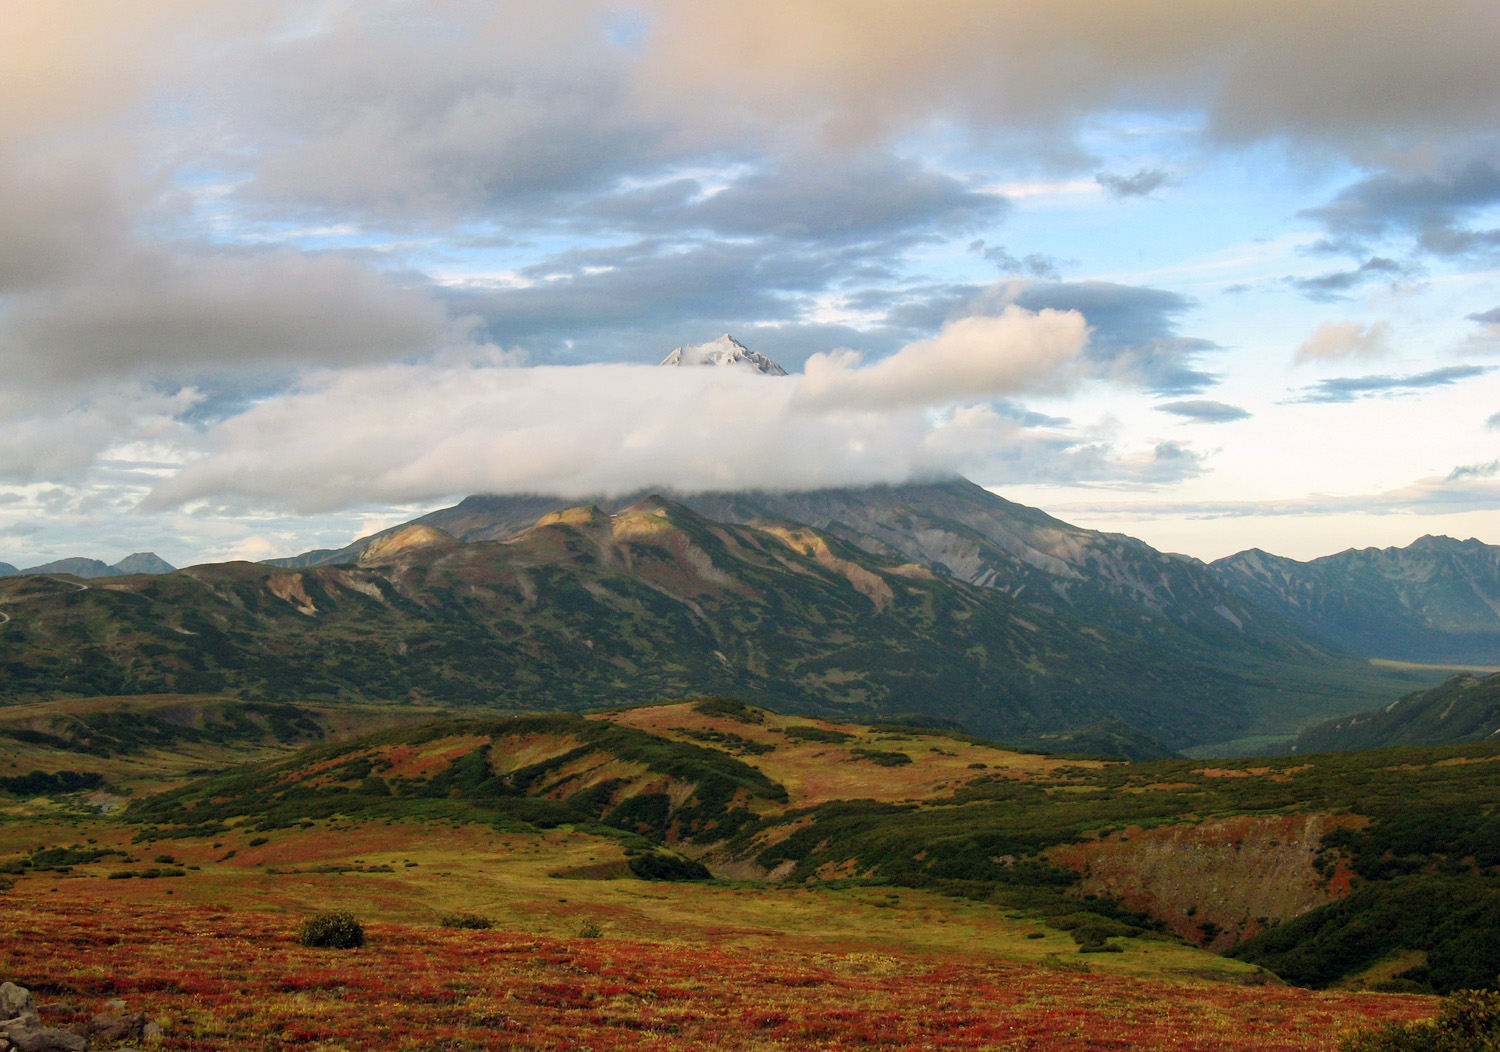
pixel 1204 412
pixel 184 313
pixel 57 443
pixel 416 114
pixel 1337 340
pixel 1141 184
pixel 1492 423
pixel 1431 209
pixel 1475 471
pixel 1034 264
pixel 1349 388
pixel 1487 338
pixel 835 199
pixel 975 357
pixel 1437 495
pixel 1327 288
pixel 1133 330
pixel 413 432
pixel 1361 75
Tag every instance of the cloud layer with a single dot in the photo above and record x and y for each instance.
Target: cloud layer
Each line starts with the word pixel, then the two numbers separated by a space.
pixel 405 433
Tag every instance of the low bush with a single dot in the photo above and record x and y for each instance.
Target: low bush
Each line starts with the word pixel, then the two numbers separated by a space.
pixel 471 921
pixel 663 866
pixel 798 732
pixel 332 929
pixel 1469 1021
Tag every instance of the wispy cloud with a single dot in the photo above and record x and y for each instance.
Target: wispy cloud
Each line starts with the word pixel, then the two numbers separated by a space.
pixel 1350 388
pixel 1204 412
pixel 1429 496
pixel 1327 288
pixel 1336 340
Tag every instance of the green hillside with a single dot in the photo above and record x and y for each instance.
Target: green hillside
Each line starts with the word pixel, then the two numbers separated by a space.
pixel 1464 709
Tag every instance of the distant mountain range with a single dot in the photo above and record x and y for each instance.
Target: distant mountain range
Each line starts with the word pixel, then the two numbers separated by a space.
pixel 585 609
pixel 140 562
pixel 1436 600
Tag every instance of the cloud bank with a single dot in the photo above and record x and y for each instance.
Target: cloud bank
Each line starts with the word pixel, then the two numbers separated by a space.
pixel 414 432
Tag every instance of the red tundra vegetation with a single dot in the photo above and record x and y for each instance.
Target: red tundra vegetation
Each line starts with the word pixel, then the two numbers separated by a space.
pixel 237 979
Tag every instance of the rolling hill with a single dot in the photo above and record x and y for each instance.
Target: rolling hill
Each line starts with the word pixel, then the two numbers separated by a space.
pixel 1375 868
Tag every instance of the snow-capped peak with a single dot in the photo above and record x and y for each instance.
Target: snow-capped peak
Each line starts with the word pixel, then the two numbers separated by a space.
pixel 726 350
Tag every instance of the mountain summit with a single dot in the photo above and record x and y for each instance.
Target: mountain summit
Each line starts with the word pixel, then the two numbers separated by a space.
pixel 726 350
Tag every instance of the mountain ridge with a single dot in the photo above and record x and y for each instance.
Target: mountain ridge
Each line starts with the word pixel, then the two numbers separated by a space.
pixel 958 528
pixel 86 568
pixel 1436 600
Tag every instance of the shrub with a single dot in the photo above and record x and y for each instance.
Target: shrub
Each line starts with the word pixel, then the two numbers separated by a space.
pixel 332 929
pixel 662 866
pixel 817 734
pixel 1469 1021
pixel 883 759
pixel 590 930
pixel 472 921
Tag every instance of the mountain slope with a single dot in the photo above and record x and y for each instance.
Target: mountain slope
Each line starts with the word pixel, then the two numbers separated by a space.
pixel 585 609
pixel 1436 600
pixel 962 530
pixel 1464 709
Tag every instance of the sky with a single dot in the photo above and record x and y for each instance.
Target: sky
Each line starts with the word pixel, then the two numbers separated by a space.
pixel 277 275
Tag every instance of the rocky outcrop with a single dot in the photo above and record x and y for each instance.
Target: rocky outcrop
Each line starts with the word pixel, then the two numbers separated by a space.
pixel 22 1030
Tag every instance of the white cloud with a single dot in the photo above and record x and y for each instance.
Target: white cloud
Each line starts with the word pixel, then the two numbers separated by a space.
pixel 976 357
pixel 414 432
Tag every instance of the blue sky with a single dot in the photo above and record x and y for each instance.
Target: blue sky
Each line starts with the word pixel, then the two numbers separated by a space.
pixel 1218 276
